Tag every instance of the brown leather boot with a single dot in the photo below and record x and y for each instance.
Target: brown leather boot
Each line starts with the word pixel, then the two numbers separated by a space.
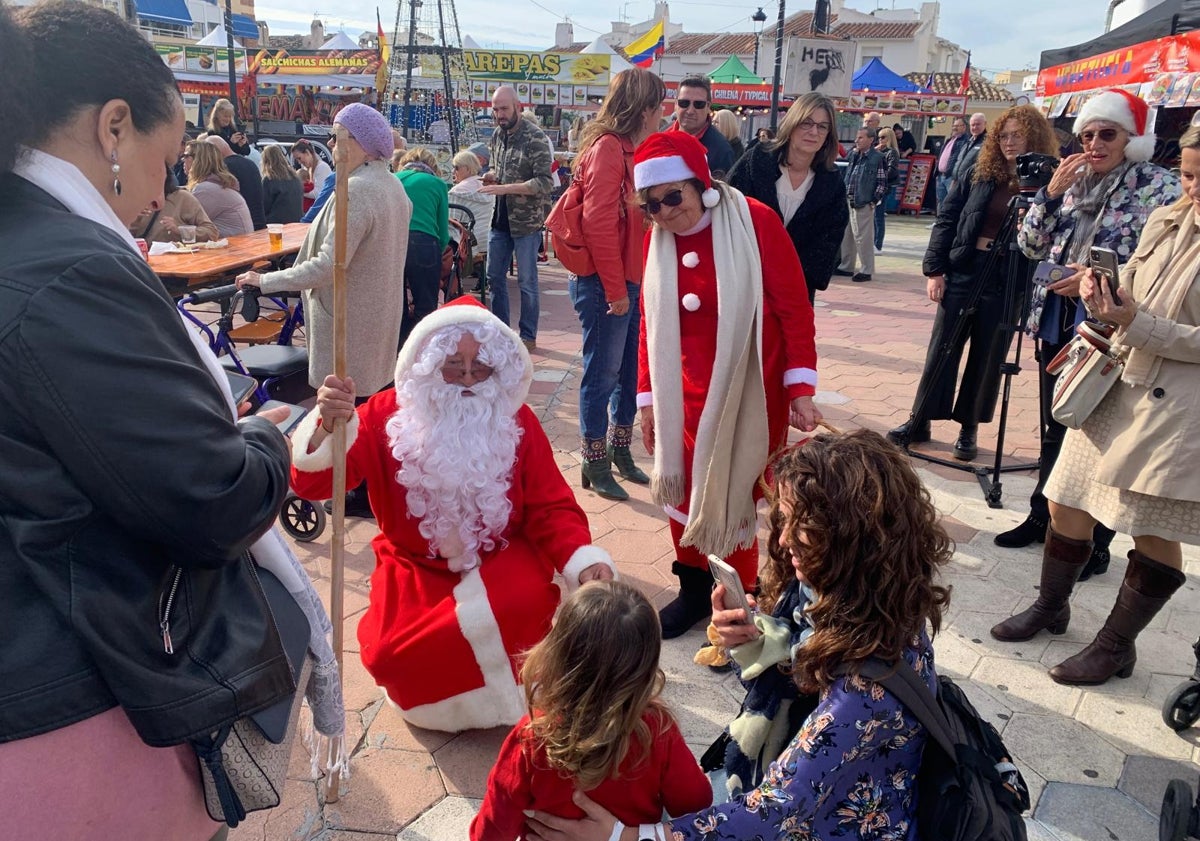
pixel 1148 585
pixel 1062 560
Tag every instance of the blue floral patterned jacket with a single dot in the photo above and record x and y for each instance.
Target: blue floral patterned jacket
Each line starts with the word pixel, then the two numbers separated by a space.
pixel 850 773
pixel 1050 222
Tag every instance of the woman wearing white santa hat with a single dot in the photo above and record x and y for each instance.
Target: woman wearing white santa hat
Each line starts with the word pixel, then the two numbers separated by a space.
pixel 1102 196
pixel 727 359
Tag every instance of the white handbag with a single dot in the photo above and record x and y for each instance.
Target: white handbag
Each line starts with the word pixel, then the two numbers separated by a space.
pixel 1087 368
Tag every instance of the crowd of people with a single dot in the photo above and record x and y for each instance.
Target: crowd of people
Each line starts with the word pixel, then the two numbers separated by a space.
pixel 701 261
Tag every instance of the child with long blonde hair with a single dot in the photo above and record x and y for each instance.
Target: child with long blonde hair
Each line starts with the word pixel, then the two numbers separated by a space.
pixel 596 723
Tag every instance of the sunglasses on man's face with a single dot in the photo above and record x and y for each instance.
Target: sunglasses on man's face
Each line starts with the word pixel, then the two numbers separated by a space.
pixel 698 104
pixel 1108 135
pixel 671 199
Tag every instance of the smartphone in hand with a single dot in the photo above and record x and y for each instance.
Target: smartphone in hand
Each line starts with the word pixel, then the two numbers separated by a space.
pixel 735 596
pixel 1103 262
pixel 295 414
pixel 241 386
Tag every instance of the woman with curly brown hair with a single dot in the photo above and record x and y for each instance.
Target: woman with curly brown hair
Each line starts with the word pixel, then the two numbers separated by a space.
pixel 957 262
pixel 854 553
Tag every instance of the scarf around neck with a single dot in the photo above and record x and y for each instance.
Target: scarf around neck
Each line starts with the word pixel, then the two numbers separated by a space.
pixel 731 440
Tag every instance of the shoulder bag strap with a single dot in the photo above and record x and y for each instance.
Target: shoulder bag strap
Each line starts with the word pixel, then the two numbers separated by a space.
pixel 903 681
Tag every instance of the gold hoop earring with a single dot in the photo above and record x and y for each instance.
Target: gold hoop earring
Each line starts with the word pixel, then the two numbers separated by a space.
pixel 116 171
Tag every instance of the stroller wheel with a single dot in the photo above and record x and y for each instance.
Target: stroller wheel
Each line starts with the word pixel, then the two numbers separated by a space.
pixel 1175 821
pixel 302 519
pixel 1181 709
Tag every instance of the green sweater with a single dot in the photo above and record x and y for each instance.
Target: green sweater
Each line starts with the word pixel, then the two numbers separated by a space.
pixel 430 202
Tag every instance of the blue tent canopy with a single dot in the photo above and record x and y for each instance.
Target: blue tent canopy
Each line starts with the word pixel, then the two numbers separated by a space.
pixel 165 11
pixel 244 26
pixel 874 75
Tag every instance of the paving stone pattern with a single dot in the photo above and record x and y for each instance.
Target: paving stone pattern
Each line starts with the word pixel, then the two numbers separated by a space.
pixel 1097 759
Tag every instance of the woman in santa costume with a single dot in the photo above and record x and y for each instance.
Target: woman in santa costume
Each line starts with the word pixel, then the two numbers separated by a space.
pixel 475 518
pixel 727 360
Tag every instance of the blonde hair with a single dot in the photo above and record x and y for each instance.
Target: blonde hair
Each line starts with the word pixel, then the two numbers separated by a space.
pixel 207 163
pixel 468 160
pixel 889 139
pixel 803 109
pixel 1189 140
pixel 728 124
pixel 591 681
pixel 275 164
pixel 630 93
pixel 220 106
pixel 421 155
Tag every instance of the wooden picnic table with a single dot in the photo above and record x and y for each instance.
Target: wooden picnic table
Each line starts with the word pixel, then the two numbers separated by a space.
pixel 209 265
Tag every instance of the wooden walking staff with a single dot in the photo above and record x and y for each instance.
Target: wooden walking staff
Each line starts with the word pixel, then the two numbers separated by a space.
pixel 338 545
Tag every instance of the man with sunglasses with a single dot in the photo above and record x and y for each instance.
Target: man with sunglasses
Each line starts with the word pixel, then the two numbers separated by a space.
pixel 693 114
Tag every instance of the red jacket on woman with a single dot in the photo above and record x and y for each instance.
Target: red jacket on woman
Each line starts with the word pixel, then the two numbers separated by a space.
pixel 613 227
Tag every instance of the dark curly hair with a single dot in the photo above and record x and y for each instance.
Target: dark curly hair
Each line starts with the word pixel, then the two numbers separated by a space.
pixel 865 534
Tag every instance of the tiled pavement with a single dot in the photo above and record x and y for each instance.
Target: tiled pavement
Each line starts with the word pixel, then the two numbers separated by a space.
pixel 1097 760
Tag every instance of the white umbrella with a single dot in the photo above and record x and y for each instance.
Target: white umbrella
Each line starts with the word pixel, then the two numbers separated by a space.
pixel 216 38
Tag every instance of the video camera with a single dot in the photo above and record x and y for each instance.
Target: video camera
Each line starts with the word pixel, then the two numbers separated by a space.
pixel 1034 171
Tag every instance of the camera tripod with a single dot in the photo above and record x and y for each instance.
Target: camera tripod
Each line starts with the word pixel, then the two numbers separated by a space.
pixel 1014 314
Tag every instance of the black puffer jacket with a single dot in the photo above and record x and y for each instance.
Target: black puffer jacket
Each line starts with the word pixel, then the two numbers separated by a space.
pixel 959 220
pixel 120 460
pixel 817 227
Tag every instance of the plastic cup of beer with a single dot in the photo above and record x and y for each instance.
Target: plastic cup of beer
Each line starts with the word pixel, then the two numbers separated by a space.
pixel 275 232
pixel 187 234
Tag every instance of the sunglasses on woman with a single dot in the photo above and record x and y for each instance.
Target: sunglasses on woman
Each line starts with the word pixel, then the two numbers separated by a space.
pixel 671 199
pixel 1108 135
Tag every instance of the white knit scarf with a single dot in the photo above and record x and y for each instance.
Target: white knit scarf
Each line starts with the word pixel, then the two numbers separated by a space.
pixel 731 441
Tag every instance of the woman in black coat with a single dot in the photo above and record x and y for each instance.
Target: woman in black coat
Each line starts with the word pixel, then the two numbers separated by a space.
pixel 797 177
pixel 957 261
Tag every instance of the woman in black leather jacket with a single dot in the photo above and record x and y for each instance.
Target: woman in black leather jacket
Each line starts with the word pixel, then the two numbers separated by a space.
pixel 121 461
pixel 956 262
pixel 797 177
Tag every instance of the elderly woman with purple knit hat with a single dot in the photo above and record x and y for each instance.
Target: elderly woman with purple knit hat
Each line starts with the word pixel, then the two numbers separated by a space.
pixel 378 213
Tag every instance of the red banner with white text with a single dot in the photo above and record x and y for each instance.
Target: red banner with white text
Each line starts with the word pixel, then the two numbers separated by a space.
pixel 1135 64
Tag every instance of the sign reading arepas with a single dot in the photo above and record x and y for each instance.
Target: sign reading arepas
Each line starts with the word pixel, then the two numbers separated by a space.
pixel 824 66
pixel 520 66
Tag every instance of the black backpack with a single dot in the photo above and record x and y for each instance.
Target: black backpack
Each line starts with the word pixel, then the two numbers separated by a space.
pixel 967 788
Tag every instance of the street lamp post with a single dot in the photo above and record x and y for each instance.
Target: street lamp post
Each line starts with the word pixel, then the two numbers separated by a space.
pixel 759 18
pixel 778 80
pixel 233 97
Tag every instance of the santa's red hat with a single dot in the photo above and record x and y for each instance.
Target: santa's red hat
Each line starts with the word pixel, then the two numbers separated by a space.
pixel 1127 111
pixel 462 311
pixel 670 156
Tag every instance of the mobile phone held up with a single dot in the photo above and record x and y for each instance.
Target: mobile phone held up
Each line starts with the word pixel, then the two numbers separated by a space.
pixel 735 596
pixel 295 414
pixel 1103 262
pixel 241 386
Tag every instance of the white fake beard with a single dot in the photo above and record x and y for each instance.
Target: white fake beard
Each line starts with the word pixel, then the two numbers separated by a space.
pixel 456 452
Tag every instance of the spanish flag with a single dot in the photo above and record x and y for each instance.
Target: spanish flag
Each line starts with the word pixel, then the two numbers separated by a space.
pixel 385 54
pixel 647 48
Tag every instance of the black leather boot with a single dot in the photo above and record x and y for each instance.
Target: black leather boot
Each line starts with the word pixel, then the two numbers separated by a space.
pixel 910 433
pixel 965 447
pixel 1097 564
pixel 1032 530
pixel 693 603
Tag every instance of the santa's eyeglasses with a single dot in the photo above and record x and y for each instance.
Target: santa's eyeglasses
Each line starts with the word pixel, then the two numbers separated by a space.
pixel 454 371
pixel 671 199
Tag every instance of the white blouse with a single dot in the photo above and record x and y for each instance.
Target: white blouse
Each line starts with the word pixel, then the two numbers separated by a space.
pixel 791 199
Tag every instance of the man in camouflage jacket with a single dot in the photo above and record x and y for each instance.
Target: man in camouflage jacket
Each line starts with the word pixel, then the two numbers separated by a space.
pixel 520 179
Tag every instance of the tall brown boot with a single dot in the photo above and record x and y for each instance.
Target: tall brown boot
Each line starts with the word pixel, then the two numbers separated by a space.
pixel 1148 585
pixel 1062 560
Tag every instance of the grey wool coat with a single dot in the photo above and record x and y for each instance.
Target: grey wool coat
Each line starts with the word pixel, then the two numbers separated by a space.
pixel 378 214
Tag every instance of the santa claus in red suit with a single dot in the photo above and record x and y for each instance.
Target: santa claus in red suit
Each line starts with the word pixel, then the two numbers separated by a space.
pixel 727 359
pixel 475 518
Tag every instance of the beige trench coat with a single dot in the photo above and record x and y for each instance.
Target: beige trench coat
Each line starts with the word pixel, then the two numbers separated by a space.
pixel 1158 452
pixel 378 212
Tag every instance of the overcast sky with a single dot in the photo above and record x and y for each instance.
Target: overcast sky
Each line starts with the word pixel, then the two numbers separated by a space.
pixel 1000 35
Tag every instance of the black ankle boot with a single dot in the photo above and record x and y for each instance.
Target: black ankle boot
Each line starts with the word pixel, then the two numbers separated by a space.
pixel 910 433
pixel 693 603
pixel 357 504
pixel 1097 564
pixel 1032 530
pixel 965 447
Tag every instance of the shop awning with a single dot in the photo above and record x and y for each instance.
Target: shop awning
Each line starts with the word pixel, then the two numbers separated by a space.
pixel 244 26
pixel 165 11
pixel 876 76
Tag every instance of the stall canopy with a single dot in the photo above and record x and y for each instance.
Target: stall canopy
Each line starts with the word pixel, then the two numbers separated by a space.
pixel 166 11
pixel 245 27
pixel 617 62
pixel 733 70
pixel 341 41
pixel 1169 17
pixel 875 76
pixel 216 38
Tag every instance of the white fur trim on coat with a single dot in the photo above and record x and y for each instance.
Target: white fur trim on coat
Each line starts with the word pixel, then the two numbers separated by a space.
pixel 800 376
pixel 644 399
pixel 581 559
pixel 453 316
pixel 322 457
pixel 664 170
pixel 500 701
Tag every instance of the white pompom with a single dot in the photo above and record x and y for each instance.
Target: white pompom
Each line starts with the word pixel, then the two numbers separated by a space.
pixel 691 259
pixel 710 197
pixel 691 301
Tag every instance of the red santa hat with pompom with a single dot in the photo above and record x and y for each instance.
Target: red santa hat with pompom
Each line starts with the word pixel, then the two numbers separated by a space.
pixel 1127 111
pixel 671 156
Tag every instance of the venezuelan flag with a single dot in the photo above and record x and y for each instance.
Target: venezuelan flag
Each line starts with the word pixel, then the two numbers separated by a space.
pixel 647 48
